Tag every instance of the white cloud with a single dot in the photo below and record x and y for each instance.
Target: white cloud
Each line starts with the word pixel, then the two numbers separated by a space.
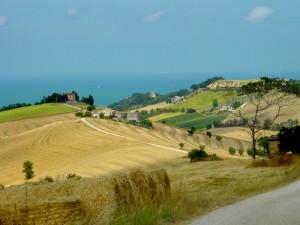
pixel 259 13
pixel 154 17
pixel 72 11
pixel 3 20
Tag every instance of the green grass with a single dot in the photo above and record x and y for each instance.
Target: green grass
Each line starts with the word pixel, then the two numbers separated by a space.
pixel 34 111
pixel 197 120
pixel 202 100
pixel 164 116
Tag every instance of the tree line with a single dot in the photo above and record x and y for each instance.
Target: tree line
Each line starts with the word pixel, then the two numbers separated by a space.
pixel 53 98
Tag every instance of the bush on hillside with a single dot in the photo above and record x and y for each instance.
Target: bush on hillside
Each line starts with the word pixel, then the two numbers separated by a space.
pixel 241 152
pixel 79 114
pixel 87 114
pixel 91 108
pixel 28 170
pixel 277 161
pixel 196 155
pixel 181 145
pixel 249 152
pixel 289 139
pixel 2 187
pixel 232 150
pixel 219 138
pixel 209 134
pixel 191 131
pixel 73 176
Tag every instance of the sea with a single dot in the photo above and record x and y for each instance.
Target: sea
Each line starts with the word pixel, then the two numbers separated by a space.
pixel 104 89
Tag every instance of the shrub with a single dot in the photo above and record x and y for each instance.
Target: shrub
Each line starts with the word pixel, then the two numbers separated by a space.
pixel 241 152
pixel 213 157
pixel 215 103
pixel 236 104
pixel 73 176
pixel 260 152
pixel 209 134
pixel 101 115
pixel 48 179
pixel 196 155
pixel 87 114
pixel 289 139
pixel 28 170
pixel 191 131
pixel 79 114
pixel 147 124
pixel 278 161
pixel 249 152
pixel 181 145
pixel 219 138
pixel 202 147
pixel 91 108
pixel 190 110
pixel 2 187
pixel 232 150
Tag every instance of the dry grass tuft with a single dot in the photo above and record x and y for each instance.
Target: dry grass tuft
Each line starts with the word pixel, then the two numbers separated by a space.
pixel 276 161
pixel 84 201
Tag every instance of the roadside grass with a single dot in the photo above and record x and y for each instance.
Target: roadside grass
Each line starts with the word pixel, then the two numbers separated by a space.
pixel 164 116
pixel 198 188
pixel 34 112
pixel 197 120
pixel 202 100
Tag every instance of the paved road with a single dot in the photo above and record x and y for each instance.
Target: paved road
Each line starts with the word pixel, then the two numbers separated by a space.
pixel 280 207
pixel 90 125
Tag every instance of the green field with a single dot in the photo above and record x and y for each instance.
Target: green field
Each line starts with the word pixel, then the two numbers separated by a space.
pixel 164 116
pixel 202 100
pixel 196 120
pixel 34 111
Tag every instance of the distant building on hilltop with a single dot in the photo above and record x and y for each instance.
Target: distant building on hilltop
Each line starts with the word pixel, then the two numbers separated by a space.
pixel 71 98
pixel 177 99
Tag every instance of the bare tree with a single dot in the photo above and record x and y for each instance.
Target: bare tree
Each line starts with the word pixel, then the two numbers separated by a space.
pixel 261 95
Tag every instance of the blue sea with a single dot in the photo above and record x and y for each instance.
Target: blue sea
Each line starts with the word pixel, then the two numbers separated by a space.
pixel 105 89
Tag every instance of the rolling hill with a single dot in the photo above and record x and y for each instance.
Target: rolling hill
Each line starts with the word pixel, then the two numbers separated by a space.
pixel 34 112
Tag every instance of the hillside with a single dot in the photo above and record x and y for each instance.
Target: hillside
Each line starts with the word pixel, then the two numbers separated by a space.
pixel 291 110
pixel 224 84
pixel 202 100
pixel 29 112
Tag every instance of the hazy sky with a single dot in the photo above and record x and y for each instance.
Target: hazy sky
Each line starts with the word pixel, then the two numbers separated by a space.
pixel 103 37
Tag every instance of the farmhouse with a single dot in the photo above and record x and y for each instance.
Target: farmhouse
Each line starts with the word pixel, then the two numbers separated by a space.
pixel 107 112
pixel 177 99
pixel 133 117
pixel 71 98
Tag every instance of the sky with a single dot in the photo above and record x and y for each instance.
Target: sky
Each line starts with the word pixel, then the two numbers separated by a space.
pixel 148 37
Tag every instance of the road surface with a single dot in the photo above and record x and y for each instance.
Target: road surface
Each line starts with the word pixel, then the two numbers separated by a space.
pixel 279 207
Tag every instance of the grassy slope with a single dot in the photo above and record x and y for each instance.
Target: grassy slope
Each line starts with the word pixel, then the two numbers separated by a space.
pixel 202 100
pixel 205 186
pixel 33 112
pixel 164 116
pixel 196 120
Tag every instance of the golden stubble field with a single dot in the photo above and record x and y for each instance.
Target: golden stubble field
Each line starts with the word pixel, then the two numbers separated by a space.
pixel 62 145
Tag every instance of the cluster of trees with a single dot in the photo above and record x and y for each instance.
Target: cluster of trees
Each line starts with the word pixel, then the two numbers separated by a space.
pixel 289 139
pixel 60 98
pixel 14 106
pixel 205 83
pixel 88 100
pixel 57 97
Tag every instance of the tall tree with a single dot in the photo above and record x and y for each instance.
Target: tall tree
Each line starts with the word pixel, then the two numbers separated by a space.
pixel 261 95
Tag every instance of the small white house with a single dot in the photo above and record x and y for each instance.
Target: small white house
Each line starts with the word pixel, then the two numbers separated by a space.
pixel 177 99
pixel 107 112
pixel 227 108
